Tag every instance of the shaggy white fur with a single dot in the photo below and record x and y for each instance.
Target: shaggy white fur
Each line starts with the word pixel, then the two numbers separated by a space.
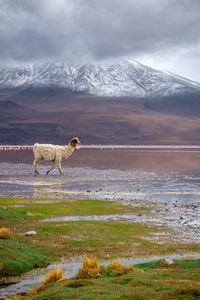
pixel 53 153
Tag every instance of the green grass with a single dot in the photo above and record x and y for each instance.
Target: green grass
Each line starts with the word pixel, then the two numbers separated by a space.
pixel 189 264
pixel 97 238
pixel 149 283
pixel 13 201
pixel 107 238
pixel 21 253
pixel 72 208
pixel 18 257
pixel 184 264
pixel 77 238
pixel 10 216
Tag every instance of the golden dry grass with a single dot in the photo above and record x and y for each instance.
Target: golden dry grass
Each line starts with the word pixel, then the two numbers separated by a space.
pixel 5 233
pixel 90 269
pixel 1 266
pixel 16 297
pixel 54 275
pixel 118 269
pixel 34 291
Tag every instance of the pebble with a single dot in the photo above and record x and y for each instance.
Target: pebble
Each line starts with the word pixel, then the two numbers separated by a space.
pixel 168 261
pixel 29 233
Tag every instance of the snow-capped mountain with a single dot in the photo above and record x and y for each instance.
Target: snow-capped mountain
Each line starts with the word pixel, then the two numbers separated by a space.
pixel 127 78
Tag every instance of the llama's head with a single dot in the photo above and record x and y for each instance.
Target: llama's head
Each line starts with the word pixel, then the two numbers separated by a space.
pixel 74 142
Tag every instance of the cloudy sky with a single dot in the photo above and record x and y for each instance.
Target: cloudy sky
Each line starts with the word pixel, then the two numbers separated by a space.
pixel 163 34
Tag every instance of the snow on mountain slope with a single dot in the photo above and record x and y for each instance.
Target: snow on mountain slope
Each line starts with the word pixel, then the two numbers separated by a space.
pixel 127 78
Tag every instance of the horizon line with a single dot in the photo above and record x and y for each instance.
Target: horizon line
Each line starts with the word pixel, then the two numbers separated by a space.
pixel 104 146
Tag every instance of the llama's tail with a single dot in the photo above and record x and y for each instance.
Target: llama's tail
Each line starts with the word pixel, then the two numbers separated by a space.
pixel 35 146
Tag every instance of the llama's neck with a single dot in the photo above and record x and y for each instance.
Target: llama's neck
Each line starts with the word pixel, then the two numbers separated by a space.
pixel 67 151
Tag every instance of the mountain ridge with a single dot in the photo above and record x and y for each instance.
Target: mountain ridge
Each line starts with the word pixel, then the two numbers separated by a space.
pixel 126 78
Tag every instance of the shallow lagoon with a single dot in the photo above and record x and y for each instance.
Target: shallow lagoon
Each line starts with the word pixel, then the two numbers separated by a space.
pixel 118 174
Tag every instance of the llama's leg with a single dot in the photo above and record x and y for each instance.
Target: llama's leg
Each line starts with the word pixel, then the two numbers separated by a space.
pixel 35 163
pixel 53 167
pixel 59 167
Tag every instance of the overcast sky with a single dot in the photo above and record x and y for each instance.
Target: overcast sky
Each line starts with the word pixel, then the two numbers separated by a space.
pixel 164 34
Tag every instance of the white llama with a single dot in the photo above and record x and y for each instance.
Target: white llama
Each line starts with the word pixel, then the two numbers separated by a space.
pixel 53 153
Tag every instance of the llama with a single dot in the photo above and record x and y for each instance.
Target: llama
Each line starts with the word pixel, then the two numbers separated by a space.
pixel 53 154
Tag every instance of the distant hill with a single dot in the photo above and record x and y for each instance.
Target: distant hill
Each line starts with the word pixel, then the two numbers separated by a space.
pixel 124 103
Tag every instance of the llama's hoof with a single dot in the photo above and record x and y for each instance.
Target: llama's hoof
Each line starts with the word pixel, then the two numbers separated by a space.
pixel 36 172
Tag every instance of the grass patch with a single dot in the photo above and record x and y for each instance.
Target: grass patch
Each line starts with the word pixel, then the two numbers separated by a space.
pixel 10 216
pixel 137 284
pixel 69 208
pixel 96 237
pixel 189 264
pixel 185 264
pixel 13 201
pixel 149 265
pixel 187 293
pixel 63 239
pixel 17 257
pixel 71 239
pixel 116 269
pixel 99 238
pixel 75 283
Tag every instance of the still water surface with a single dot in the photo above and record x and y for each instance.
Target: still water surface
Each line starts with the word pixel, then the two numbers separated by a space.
pixel 169 179
pixel 118 174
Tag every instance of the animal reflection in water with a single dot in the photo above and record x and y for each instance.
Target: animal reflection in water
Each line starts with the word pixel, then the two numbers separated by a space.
pixel 53 154
pixel 43 189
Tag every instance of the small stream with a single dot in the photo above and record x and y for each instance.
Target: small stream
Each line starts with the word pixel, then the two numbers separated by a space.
pixel 34 277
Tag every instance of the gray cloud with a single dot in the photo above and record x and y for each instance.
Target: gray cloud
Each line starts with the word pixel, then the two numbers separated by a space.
pixel 92 30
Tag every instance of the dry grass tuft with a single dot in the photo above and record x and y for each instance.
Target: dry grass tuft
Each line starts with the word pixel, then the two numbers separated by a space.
pixel 34 291
pixel 1 266
pixel 5 233
pixel 54 275
pixel 90 269
pixel 16 297
pixel 117 269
